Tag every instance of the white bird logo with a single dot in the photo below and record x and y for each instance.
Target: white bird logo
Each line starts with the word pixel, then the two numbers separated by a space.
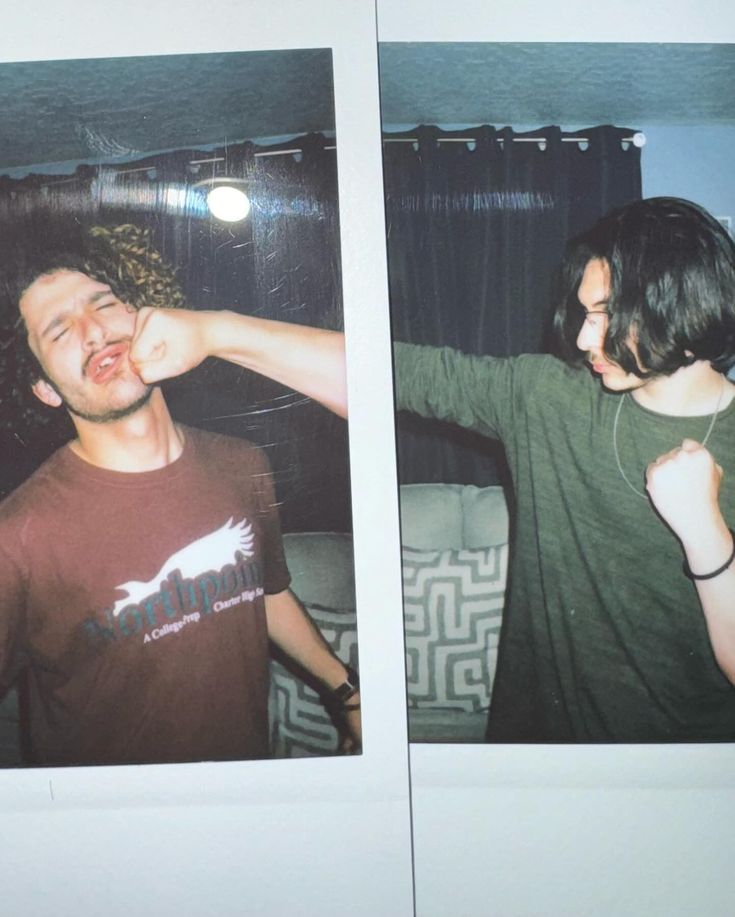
pixel 210 552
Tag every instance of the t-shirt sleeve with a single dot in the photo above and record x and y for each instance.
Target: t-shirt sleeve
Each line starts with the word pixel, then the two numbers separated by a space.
pixel 484 394
pixel 276 577
pixel 12 603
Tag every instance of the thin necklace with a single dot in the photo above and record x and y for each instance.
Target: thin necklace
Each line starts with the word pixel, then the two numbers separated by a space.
pixel 615 436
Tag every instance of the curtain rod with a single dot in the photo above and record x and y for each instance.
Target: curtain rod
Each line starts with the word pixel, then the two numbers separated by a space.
pixel 637 139
pixel 288 152
pixel 192 162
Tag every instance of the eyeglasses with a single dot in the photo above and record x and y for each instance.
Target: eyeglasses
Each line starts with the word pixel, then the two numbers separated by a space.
pixel 596 320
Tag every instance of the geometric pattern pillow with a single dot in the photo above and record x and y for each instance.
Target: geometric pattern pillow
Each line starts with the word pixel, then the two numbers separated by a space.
pixel 453 605
pixel 299 725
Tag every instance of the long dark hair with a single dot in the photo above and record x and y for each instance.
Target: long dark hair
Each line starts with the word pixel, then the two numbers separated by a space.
pixel 672 287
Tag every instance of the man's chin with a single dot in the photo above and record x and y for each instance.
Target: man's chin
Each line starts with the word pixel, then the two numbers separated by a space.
pixel 615 379
pixel 619 383
pixel 614 382
pixel 112 414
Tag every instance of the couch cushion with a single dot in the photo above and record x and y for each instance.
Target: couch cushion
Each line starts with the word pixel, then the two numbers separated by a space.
pixel 300 726
pixel 453 604
pixel 322 568
pixel 441 516
pixel 431 515
pixel 485 516
pixel 322 576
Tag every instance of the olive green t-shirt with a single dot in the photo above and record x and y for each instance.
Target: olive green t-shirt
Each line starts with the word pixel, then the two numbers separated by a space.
pixel 603 635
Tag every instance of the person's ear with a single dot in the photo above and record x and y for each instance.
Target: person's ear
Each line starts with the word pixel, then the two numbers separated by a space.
pixel 46 393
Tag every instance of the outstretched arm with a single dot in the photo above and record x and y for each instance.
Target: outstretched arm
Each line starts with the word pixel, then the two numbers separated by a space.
pixel 169 342
pixel 291 629
pixel 684 485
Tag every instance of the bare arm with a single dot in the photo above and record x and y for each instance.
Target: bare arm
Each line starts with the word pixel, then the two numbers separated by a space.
pixel 168 342
pixel 684 486
pixel 291 629
pixel 717 595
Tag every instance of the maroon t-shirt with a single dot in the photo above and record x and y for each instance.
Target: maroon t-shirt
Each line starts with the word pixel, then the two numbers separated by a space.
pixel 136 603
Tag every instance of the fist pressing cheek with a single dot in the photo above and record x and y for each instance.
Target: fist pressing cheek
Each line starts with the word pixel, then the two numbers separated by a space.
pixel 167 342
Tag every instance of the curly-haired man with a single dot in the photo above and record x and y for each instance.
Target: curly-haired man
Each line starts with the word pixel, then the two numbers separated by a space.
pixel 141 567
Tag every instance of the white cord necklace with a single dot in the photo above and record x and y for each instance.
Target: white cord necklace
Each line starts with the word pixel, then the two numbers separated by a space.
pixel 624 476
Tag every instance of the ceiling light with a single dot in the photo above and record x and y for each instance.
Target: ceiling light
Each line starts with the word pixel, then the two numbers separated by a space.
pixel 226 198
pixel 228 204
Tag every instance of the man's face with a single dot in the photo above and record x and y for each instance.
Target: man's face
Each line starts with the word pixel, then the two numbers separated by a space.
pixel 593 294
pixel 80 333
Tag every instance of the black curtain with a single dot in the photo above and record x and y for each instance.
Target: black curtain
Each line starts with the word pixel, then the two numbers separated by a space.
pixel 477 224
pixel 281 263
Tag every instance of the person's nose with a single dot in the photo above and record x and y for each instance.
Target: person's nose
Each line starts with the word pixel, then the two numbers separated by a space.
pixel 589 338
pixel 92 332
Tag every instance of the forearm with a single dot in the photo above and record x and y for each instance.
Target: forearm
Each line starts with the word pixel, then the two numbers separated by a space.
pixel 169 342
pixel 716 595
pixel 291 629
pixel 308 360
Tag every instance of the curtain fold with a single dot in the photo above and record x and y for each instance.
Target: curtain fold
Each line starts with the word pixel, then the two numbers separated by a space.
pixel 477 223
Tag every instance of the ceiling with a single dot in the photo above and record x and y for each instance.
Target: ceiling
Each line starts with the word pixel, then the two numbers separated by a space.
pixel 80 110
pixel 56 111
pixel 534 84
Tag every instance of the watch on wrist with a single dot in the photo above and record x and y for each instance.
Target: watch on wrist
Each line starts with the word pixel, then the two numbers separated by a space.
pixel 349 687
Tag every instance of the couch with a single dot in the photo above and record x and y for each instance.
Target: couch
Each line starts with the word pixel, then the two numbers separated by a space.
pixel 455 563
pixel 455 556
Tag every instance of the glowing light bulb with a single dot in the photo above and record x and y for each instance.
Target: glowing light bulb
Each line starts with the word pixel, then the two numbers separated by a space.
pixel 228 204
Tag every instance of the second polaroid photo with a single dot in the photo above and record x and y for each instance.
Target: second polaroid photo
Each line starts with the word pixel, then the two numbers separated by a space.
pixel 560 263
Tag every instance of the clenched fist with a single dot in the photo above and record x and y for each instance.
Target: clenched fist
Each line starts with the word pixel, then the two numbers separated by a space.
pixel 683 486
pixel 168 342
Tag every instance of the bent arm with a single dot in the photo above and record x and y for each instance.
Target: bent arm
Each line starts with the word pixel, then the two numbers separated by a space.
pixel 684 487
pixel 308 360
pixel 293 631
pixel 169 342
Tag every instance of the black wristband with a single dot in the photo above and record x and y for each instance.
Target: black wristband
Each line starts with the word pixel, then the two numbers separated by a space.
pixel 714 573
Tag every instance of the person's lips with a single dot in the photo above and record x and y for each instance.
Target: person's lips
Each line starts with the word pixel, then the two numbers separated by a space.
pixel 102 365
pixel 599 366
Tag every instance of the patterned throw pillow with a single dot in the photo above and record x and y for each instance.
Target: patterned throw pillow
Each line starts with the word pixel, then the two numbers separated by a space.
pixel 453 605
pixel 300 726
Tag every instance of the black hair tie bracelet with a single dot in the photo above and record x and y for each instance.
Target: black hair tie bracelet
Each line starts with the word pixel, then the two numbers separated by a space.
pixel 714 573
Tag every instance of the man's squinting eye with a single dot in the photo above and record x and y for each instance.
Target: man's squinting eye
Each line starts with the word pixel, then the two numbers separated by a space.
pixel 61 334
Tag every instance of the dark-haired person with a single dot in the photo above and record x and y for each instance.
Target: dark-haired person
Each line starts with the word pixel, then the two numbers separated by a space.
pixel 141 567
pixel 620 623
